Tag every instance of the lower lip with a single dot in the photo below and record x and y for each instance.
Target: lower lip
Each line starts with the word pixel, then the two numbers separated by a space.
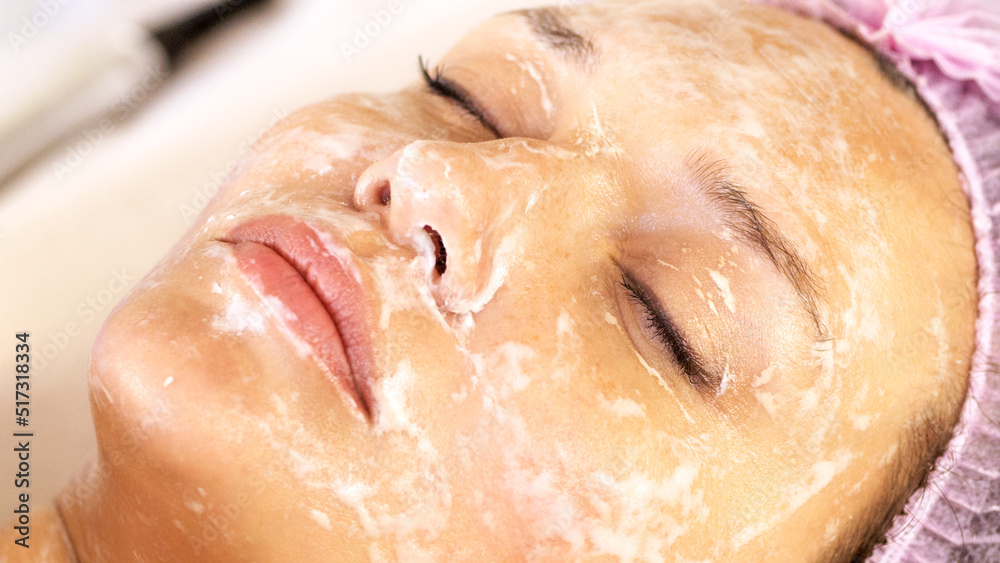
pixel 274 276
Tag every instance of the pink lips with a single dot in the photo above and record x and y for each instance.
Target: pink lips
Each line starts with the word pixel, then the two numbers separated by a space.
pixel 285 258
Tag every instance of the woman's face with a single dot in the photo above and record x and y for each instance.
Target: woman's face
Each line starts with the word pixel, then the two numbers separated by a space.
pixel 682 308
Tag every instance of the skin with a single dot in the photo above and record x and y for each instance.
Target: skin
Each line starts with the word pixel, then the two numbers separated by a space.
pixel 539 417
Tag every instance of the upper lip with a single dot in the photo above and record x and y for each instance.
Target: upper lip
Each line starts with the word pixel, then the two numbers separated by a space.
pixel 331 277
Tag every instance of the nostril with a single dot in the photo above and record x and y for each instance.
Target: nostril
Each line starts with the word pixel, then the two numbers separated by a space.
pixel 384 193
pixel 440 255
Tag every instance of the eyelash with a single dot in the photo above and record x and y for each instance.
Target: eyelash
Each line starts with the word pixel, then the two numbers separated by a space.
pixel 667 333
pixel 442 86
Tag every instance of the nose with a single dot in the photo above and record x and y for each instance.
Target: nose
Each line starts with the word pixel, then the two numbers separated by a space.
pixel 464 207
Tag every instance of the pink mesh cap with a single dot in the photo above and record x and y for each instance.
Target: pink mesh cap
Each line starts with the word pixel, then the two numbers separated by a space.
pixel 950 50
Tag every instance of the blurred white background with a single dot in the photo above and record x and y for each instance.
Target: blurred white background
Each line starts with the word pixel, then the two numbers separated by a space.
pixel 104 208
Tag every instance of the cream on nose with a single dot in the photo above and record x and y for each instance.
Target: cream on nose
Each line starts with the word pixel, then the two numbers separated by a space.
pixel 466 208
pixel 423 201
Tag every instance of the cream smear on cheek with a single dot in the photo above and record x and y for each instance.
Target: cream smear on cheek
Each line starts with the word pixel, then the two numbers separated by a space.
pixel 624 511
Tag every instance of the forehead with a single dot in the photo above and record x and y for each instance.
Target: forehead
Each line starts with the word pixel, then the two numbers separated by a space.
pixel 801 114
pixel 766 76
pixel 689 72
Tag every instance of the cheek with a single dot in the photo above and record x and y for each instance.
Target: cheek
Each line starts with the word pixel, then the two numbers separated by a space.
pixel 556 446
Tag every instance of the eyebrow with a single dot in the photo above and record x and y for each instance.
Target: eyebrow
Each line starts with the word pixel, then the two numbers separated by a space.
pixel 756 230
pixel 551 27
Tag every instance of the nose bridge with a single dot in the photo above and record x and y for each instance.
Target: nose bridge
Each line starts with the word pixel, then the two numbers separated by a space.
pixel 466 208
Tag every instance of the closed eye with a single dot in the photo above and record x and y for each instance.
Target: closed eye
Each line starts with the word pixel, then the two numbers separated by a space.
pixel 667 333
pixel 442 86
